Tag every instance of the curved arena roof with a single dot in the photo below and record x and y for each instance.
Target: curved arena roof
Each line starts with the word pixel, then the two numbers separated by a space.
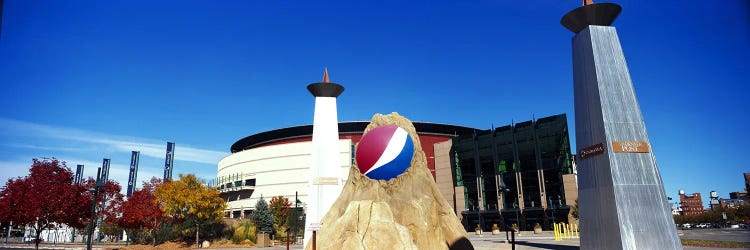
pixel 356 127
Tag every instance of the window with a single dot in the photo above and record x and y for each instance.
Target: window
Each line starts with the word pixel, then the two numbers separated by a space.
pixel 250 182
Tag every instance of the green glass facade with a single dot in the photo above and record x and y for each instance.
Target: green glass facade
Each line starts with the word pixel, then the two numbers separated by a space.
pixel 513 174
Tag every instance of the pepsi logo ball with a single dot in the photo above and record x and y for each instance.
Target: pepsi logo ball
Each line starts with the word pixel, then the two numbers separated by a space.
pixel 384 152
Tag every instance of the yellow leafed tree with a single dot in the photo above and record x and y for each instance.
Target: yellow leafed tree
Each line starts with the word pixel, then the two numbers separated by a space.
pixel 190 202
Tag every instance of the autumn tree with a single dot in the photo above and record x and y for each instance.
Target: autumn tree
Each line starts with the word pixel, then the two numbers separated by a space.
pixel 108 202
pixel 45 197
pixel 141 212
pixel 191 203
pixel 262 217
pixel 110 229
pixel 280 208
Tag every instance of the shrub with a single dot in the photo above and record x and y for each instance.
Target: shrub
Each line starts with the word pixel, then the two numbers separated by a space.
pixel 243 232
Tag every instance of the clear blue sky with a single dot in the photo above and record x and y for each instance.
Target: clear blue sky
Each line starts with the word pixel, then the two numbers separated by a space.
pixel 83 80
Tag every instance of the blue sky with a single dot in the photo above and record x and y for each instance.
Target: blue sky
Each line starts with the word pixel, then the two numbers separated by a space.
pixel 86 80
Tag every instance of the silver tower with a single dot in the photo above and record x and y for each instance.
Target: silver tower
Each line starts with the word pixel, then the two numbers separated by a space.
pixel 622 203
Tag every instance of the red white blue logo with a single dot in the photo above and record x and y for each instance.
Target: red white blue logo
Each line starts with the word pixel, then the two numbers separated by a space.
pixel 384 152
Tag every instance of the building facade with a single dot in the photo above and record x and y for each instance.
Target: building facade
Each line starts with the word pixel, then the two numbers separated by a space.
pixel 517 174
pixel 691 204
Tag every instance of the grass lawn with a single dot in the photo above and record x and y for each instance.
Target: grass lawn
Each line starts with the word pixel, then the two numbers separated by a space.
pixel 714 243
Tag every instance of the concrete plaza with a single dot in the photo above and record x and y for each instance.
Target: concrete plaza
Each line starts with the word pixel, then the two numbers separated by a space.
pixel 527 240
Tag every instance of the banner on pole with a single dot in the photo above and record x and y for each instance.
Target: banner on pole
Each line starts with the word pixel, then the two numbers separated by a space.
pixel 105 171
pixel 79 173
pixel 169 161
pixel 133 176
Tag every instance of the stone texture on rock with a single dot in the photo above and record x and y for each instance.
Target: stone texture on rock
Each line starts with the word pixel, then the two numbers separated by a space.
pixel 407 212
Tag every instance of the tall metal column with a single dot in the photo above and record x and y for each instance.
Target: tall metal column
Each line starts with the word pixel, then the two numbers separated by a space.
pixel 622 202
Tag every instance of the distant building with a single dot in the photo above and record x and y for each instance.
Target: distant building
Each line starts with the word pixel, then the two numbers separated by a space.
pixel 747 182
pixel 691 204
pixel 676 210
pixel 732 203
pixel 742 195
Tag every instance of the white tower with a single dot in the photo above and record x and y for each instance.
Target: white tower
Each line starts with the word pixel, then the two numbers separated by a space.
pixel 325 184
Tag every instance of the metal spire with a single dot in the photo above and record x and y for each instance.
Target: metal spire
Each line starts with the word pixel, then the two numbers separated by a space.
pixel 325 75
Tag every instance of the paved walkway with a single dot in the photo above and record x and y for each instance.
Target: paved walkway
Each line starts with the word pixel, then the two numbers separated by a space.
pixel 527 240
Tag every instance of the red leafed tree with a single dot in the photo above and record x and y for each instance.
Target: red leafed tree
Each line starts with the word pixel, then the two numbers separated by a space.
pixel 44 197
pixel 109 200
pixel 108 204
pixel 141 211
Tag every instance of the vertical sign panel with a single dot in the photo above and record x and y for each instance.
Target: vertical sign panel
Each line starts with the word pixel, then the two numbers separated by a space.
pixel 105 171
pixel 132 178
pixel 168 163
pixel 79 172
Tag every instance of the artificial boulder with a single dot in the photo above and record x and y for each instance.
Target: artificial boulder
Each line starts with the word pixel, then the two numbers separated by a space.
pixel 406 212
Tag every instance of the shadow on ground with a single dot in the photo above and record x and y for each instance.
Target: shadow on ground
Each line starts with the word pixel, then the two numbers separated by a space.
pixel 546 246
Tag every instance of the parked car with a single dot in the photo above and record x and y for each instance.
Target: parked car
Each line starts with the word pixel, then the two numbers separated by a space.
pixel 30 239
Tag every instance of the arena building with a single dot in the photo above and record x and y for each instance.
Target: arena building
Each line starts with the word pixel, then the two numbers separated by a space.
pixel 277 162
pixel 522 173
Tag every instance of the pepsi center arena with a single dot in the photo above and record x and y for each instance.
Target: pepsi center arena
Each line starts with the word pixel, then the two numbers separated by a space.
pixel 277 163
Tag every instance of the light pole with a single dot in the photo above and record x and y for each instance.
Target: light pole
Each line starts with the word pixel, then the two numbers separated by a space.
pixel 93 208
pixel 553 208
pixel 296 214
pixel 502 189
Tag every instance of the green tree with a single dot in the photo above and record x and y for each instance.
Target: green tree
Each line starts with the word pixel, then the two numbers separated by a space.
pixel 190 203
pixel 295 219
pixel 262 217
pixel 574 210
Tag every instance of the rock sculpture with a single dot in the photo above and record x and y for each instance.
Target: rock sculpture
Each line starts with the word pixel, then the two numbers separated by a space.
pixel 406 212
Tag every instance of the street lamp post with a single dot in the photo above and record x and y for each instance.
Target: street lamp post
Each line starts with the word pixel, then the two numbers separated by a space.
pixel 93 208
pixel 553 209
pixel 503 190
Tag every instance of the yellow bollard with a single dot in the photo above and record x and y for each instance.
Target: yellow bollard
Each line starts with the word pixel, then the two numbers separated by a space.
pixel 557 232
pixel 554 230
pixel 562 233
pixel 570 232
